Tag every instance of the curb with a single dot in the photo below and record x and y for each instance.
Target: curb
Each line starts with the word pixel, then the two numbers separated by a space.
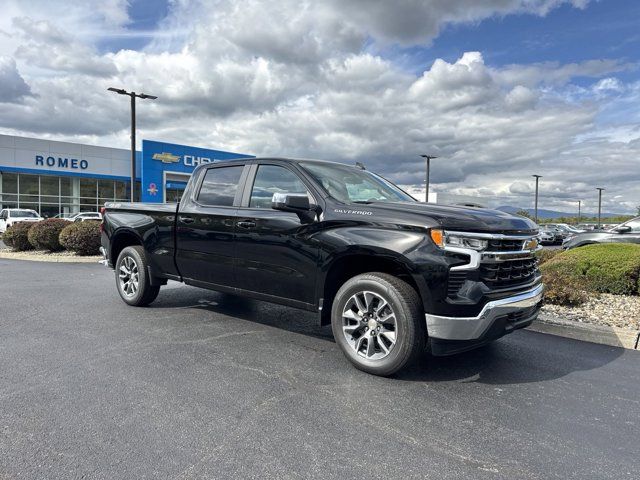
pixel 49 258
pixel 604 335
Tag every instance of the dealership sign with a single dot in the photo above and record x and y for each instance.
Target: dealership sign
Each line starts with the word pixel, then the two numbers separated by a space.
pixel 187 160
pixel 60 162
pixel 159 158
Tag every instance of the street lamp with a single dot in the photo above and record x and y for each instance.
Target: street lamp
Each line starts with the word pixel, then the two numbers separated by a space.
pixel 579 212
pixel 600 189
pixel 428 158
pixel 133 96
pixel 537 177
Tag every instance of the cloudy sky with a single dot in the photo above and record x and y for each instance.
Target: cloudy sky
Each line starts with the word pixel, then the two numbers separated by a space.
pixel 498 89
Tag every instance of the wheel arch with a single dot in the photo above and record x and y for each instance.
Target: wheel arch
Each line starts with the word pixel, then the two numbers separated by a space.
pixel 348 264
pixel 121 239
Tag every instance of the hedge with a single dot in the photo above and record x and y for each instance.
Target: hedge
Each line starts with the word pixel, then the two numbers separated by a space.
pixel 45 235
pixel 82 238
pixel 547 254
pixel 604 268
pixel 17 236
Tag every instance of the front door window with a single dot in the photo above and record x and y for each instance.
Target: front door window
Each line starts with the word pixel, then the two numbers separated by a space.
pixel 272 179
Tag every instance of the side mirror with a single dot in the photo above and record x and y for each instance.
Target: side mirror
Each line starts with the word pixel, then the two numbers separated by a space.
pixel 623 229
pixel 290 202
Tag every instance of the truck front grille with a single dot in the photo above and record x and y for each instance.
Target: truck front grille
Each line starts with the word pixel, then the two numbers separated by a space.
pixel 505 245
pixel 509 273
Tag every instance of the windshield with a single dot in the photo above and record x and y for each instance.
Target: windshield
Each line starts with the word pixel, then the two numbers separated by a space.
pixel 634 224
pixel 354 185
pixel 24 213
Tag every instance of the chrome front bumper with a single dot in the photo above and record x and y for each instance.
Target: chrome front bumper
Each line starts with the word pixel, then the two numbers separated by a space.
pixel 472 328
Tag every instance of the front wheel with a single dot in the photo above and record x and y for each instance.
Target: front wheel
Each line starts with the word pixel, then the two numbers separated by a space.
pixel 132 277
pixel 378 323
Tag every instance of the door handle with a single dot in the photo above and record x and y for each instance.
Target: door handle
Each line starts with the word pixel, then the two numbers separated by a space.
pixel 246 224
pixel 186 219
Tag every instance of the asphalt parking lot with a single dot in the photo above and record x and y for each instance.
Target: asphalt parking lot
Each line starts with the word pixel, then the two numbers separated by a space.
pixel 203 385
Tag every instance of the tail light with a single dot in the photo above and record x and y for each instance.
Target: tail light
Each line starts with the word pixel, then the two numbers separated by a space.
pixel 102 211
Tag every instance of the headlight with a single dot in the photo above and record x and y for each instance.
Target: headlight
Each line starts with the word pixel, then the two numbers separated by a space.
pixel 444 239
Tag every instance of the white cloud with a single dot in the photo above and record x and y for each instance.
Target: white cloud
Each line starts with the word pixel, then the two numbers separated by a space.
pixel 608 84
pixel 294 78
pixel 47 47
pixel 14 88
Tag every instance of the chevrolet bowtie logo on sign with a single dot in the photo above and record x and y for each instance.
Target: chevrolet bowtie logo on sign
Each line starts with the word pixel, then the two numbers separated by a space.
pixel 531 244
pixel 166 157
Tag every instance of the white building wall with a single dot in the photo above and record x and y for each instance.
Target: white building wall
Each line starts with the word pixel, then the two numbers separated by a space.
pixel 22 153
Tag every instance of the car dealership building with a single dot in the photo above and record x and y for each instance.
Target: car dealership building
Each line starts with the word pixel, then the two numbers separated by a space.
pixel 64 178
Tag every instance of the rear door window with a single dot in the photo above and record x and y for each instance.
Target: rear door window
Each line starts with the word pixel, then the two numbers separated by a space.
pixel 220 185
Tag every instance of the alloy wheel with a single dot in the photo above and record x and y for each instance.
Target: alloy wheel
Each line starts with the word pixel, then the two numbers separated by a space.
pixel 129 276
pixel 369 325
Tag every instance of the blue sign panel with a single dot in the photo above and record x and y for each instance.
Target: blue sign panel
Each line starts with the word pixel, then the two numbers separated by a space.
pixel 161 157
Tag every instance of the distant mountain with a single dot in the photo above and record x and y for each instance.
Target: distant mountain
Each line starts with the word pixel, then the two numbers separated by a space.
pixel 554 213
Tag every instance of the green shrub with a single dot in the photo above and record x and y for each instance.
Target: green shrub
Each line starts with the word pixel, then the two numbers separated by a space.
pixel 606 268
pixel 45 235
pixel 562 289
pixel 82 238
pixel 17 236
pixel 547 254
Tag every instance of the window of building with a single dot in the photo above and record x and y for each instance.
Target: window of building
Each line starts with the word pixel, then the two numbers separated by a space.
pixel 52 195
pixel 122 190
pixel 106 191
pixel 9 183
pixel 220 185
pixel 9 190
pixel 29 191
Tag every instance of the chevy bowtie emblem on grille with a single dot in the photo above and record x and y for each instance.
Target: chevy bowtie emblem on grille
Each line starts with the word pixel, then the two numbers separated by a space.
pixel 166 157
pixel 531 244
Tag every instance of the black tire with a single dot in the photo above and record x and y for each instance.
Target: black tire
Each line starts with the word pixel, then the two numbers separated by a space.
pixel 144 293
pixel 410 329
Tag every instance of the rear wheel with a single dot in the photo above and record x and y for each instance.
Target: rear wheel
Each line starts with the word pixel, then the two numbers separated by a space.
pixel 378 323
pixel 132 277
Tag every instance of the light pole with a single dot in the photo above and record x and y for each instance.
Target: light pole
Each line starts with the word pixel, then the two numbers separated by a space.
pixel 579 205
pixel 537 177
pixel 600 189
pixel 133 96
pixel 428 158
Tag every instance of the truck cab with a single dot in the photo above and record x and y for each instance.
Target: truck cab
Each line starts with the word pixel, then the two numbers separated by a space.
pixel 10 216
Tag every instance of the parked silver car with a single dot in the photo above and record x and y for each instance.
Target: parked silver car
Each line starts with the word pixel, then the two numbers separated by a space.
pixel 628 232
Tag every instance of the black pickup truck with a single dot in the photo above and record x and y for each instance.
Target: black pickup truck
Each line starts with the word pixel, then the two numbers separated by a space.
pixel 392 276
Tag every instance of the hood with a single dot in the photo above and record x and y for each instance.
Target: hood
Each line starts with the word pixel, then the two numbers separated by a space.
pixel 453 217
pixel 591 236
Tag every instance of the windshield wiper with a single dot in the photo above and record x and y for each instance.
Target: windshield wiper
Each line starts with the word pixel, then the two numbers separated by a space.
pixel 363 202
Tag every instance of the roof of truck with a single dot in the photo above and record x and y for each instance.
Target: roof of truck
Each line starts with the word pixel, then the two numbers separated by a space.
pixel 283 159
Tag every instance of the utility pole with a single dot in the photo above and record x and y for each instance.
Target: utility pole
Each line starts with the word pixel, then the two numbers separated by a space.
pixel 428 158
pixel 579 212
pixel 537 177
pixel 600 189
pixel 133 95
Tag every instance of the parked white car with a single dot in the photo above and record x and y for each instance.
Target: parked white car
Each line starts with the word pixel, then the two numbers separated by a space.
pixel 9 216
pixel 82 216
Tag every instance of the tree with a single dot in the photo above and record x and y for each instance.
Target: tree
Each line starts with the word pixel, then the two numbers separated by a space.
pixel 638 210
pixel 524 213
